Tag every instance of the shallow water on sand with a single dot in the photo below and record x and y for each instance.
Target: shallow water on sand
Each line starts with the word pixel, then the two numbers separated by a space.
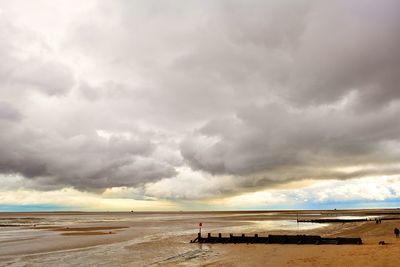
pixel 369 218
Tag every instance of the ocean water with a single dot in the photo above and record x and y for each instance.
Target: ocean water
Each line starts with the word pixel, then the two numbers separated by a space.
pixel 348 217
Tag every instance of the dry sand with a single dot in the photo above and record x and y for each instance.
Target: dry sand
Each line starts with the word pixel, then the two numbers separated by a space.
pixel 162 239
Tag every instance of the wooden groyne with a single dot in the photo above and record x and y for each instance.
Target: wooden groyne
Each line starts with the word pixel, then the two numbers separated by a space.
pixel 275 239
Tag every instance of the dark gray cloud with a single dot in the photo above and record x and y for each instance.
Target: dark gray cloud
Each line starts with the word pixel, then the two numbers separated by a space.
pixel 265 92
pixel 347 46
pixel 271 138
pixel 82 161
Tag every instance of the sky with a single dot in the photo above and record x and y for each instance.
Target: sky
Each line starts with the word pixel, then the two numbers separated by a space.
pixel 199 105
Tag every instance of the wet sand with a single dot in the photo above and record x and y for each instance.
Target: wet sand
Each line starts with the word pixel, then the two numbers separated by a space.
pixel 162 239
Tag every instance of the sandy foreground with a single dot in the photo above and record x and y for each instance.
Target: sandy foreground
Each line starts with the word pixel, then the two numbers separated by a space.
pixel 162 239
pixel 368 254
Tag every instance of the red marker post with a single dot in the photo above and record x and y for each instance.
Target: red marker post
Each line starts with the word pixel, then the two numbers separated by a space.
pixel 200 225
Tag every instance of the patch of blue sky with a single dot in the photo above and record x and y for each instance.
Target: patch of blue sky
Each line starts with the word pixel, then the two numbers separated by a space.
pixel 32 208
pixel 351 204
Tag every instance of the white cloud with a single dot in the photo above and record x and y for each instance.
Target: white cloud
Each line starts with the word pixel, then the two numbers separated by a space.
pixel 370 189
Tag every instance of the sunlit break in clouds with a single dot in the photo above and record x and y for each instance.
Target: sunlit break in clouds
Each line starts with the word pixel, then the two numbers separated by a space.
pixel 191 105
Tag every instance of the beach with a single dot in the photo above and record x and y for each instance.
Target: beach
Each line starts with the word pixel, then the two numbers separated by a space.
pixel 163 239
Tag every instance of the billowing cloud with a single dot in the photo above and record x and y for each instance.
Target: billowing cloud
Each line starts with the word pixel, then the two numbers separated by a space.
pixel 277 140
pixel 82 161
pixel 232 96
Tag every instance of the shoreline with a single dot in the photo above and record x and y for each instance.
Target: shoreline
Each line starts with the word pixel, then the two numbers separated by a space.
pixel 164 240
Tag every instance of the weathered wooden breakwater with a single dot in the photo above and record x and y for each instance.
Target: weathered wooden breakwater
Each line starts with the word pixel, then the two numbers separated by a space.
pixel 275 239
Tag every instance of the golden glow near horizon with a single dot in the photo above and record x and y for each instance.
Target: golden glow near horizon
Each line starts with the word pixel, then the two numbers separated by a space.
pixel 76 200
pixel 121 199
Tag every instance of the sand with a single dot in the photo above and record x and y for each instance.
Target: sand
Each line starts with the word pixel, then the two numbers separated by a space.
pixel 162 239
pixel 368 254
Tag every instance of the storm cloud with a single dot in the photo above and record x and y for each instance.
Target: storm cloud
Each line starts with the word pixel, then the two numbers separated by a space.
pixel 241 95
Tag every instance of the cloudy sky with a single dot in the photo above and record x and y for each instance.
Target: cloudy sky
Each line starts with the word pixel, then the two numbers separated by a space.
pixel 184 105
